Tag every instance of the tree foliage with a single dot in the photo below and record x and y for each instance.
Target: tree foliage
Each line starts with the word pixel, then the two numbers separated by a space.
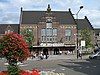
pixel 86 35
pixel 12 46
pixel 14 49
pixel 28 35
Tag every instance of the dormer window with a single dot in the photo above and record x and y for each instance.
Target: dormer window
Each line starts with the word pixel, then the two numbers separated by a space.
pixel 8 29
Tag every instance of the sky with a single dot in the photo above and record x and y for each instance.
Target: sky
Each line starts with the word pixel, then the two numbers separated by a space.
pixel 10 9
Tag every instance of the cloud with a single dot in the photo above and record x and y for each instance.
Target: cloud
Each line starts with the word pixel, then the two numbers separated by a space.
pixel 3 1
pixel 93 16
pixel 10 18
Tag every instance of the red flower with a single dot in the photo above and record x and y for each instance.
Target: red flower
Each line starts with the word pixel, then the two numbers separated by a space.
pixel 13 44
pixel 25 73
pixel 3 73
pixel 35 72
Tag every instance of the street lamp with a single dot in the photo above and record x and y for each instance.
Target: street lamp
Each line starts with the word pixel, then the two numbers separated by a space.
pixel 77 29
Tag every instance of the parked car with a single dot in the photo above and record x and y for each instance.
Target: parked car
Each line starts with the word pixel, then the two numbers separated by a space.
pixel 96 50
pixel 95 55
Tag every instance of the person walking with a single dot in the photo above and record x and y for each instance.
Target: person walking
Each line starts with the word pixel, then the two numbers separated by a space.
pixel 80 54
pixel 41 56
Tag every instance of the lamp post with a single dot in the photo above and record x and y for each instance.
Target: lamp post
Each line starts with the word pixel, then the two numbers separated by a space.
pixel 77 29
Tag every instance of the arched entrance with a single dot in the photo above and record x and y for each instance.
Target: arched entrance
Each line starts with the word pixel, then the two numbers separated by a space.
pixel 56 51
pixel 45 51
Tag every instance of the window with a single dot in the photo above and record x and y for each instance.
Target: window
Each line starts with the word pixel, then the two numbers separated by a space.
pixel 43 38
pixel 68 38
pixel 54 38
pixel 43 32
pixel 49 39
pixel 55 32
pixel 49 32
pixel 43 35
pixel 54 35
pixel 68 34
pixel 8 29
pixel 49 35
pixel 49 23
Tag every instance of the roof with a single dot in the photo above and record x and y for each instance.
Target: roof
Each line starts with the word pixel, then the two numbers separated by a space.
pixel 33 17
pixel 97 31
pixel 84 24
pixel 3 28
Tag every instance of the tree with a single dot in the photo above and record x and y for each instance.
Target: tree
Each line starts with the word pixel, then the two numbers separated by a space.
pixel 28 35
pixel 86 35
pixel 14 49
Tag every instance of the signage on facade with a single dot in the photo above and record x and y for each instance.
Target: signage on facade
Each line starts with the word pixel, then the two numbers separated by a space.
pixel 82 42
pixel 50 44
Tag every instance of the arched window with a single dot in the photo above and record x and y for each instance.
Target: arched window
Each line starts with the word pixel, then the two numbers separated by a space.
pixel 43 35
pixel 49 34
pixel 68 34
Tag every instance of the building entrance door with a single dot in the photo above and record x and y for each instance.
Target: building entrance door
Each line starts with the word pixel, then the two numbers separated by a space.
pixel 45 52
pixel 56 51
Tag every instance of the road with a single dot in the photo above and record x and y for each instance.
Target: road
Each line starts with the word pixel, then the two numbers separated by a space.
pixel 61 64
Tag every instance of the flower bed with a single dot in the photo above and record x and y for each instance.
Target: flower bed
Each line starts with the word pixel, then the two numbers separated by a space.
pixel 22 72
pixel 15 49
pixel 34 72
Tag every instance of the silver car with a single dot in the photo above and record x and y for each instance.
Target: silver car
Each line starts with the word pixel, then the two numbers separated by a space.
pixel 95 55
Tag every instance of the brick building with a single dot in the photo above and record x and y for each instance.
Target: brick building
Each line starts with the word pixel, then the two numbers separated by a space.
pixel 52 31
pixel 97 37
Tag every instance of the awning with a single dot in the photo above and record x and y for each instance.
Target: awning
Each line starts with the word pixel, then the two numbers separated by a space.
pixel 54 45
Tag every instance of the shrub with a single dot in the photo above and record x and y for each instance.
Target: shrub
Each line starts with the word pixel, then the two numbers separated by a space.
pixel 14 49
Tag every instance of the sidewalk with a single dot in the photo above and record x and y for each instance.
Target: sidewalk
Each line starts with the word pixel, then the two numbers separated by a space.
pixel 60 57
pixel 72 56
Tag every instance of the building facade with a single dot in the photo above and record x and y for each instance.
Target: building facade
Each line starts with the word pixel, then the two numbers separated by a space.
pixel 51 29
pixel 84 24
pixel 48 30
pixel 97 37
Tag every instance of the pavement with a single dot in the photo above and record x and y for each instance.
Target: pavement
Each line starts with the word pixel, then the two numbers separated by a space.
pixel 61 57
pixel 70 56
pixel 65 64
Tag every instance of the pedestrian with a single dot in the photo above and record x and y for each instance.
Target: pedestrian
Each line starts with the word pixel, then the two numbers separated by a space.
pixel 41 56
pixel 45 53
pixel 60 52
pixel 80 54
pixel 32 54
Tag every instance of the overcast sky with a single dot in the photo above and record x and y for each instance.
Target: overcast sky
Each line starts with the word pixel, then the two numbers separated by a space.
pixel 10 9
